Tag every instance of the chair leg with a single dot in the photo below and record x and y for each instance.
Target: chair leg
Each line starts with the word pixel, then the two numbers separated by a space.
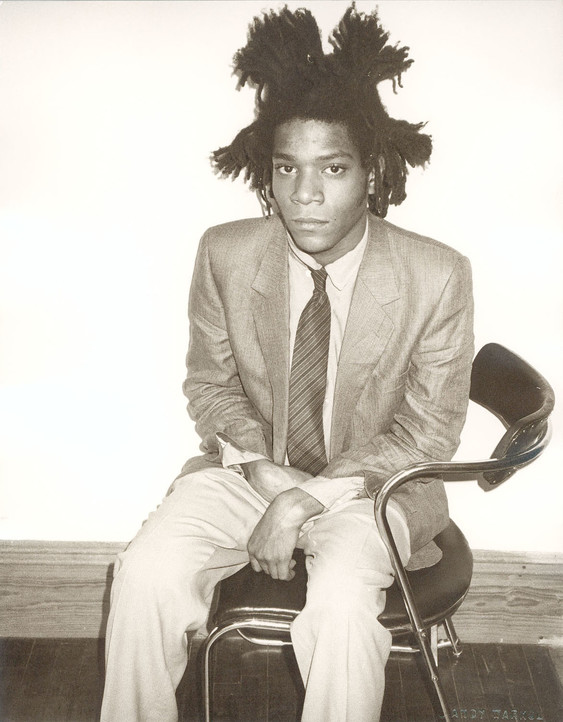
pixel 452 636
pixel 214 635
pixel 434 642
pixel 218 632
pixel 206 685
pixel 428 657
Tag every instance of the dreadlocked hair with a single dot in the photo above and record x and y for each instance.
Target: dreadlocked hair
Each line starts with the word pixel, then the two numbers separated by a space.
pixel 284 62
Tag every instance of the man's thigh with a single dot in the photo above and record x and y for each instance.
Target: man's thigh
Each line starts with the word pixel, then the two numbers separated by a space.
pixel 207 514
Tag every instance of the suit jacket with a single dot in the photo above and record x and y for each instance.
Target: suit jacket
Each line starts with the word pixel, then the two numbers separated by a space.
pixel 403 374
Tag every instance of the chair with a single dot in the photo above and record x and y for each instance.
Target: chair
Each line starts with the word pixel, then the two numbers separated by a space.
pixel 262 609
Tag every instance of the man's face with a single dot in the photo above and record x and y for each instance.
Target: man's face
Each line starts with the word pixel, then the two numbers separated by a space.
pixel 320 187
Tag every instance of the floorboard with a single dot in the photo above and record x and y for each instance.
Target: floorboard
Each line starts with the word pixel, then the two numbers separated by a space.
pixel 60 680
pixel 540 666
pixel 471 701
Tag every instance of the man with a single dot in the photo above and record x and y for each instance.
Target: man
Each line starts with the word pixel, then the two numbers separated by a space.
pixel 328 349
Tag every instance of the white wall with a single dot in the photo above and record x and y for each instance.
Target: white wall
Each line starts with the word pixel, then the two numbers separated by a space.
pixel 108 114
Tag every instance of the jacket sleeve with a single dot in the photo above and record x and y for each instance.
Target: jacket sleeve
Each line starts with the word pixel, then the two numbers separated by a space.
pixel 216 399
pixel 431 414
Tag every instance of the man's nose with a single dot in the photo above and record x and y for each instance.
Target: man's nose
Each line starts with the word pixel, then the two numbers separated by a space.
pixel 308 189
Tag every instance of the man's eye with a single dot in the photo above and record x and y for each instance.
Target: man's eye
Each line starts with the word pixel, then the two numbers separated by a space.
pixel 335 169
pixel 285 169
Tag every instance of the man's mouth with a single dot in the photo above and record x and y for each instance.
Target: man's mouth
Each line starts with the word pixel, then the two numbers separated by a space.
pixel 309 223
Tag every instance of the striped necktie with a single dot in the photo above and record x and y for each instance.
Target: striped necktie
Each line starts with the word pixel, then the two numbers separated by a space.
pixel 307 384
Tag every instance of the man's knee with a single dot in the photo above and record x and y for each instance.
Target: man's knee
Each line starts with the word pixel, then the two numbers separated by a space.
pixel 346 597
pixel 155 583
pixel 143 569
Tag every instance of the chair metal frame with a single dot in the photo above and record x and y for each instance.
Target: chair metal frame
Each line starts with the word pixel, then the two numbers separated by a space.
pixel 528 434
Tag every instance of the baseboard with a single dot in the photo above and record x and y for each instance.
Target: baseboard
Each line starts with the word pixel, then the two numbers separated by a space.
pixel 61 589
pixel 55 588
pixel 514 598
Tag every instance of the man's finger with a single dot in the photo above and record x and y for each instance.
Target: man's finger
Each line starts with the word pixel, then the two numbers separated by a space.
pixel 274 572
pixel 285 571
pixel 255 564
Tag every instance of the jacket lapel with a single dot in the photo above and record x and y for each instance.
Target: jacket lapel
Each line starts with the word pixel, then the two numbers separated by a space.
pixel 270 307
pixel 368 329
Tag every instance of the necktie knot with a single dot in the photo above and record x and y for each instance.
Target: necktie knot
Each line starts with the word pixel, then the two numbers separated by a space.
pixel 319 279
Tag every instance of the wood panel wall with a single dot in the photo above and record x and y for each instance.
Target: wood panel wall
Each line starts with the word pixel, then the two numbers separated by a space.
pixel 61 589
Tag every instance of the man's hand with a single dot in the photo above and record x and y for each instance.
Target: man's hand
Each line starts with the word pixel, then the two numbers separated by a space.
pixel 274 538
pixel 270 479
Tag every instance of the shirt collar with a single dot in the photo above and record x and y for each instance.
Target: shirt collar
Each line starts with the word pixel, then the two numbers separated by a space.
pixel 341 271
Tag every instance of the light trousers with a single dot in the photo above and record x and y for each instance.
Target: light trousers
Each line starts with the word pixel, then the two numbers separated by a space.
pixel 163 588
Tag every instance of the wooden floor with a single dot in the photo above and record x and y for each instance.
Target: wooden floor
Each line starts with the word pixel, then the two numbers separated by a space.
pixel 61 680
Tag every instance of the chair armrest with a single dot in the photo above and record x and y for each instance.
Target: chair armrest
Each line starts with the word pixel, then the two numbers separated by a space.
pixel 488 472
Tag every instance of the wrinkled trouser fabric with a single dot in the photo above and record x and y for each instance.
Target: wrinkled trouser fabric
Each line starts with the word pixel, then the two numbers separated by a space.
pixel 164 582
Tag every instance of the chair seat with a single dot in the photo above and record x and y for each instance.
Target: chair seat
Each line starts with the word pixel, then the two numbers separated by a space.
pixel 438 590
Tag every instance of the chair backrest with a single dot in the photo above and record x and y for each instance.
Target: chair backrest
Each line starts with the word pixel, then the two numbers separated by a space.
pixel 519 396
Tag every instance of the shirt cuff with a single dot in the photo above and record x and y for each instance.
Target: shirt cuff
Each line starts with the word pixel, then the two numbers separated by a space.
pixel 331 491
pixel 232 456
